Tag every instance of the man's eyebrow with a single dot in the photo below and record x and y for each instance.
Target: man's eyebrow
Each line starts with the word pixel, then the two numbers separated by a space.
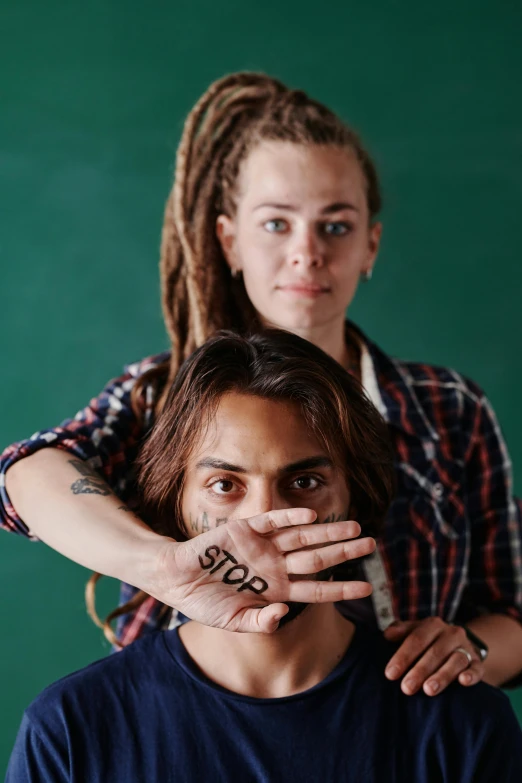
pixel 303 464
pixel 338 206
pixel 219 464
pixel 309 464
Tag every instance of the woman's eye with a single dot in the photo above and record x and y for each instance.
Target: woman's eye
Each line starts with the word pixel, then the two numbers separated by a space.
pixel 305 482
pixel 337 229
pixel 276 226
pixel 222 487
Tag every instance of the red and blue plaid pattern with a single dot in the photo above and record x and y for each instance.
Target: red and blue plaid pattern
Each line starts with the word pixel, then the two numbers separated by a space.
pixel 452 541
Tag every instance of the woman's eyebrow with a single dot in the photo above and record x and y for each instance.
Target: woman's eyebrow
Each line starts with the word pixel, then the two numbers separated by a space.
pixel 338 206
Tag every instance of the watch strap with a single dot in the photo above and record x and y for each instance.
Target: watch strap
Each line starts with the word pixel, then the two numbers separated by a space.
pixel 480 645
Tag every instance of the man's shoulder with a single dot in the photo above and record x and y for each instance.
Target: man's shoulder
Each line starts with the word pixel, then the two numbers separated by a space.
pixel 462 722
pixel 466 733
pixel 481 705
pixel 100 682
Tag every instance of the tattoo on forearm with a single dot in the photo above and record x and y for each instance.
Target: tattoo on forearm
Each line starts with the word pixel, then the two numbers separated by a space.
pixel 236 575
pixel 91 483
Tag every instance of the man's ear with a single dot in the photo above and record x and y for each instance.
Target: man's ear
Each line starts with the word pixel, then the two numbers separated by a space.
pixel 226 234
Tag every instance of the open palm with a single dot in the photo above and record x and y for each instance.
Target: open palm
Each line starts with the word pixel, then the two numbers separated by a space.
pixel 239 576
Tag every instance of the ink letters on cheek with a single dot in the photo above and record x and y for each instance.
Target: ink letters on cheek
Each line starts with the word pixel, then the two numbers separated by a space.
pixel 236 575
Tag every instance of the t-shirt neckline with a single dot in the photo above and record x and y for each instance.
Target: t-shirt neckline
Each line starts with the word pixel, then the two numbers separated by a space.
pixel 181 658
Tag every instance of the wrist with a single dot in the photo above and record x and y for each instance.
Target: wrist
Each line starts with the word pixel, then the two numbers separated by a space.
pixel 152 572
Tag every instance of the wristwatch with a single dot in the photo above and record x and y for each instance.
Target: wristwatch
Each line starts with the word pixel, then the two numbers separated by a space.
pixel 479 645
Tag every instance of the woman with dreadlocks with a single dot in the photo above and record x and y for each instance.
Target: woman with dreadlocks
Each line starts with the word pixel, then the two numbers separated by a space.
pixel 273 220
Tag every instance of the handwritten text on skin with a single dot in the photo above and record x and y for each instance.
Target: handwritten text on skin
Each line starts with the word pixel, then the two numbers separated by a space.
pixel 236 575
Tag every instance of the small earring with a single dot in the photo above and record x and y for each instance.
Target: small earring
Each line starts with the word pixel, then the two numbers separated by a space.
pixel 236 273
pixel 366 276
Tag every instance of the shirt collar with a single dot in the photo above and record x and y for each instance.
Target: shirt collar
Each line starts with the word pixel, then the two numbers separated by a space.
pixel 389 385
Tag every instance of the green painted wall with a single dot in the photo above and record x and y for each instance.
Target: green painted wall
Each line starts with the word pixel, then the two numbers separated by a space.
pixel 92 100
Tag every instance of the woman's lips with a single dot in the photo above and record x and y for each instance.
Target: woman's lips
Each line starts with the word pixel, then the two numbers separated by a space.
pixel 304 289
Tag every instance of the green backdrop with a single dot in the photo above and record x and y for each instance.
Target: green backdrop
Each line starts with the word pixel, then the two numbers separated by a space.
pixel 93 97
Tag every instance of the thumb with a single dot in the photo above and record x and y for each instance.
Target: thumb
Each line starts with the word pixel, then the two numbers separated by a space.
pixel 263 620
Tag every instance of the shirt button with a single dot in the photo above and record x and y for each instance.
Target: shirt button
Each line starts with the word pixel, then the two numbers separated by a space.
pixel 438 490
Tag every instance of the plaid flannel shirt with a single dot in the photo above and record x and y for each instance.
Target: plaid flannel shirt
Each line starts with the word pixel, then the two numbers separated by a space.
pixel 452 542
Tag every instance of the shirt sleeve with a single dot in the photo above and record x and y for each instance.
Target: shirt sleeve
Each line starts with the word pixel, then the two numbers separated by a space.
pixel 106 433
pixel 495 576
pixel 35 759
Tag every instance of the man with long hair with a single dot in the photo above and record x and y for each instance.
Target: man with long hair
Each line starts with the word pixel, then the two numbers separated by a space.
pixel 265 436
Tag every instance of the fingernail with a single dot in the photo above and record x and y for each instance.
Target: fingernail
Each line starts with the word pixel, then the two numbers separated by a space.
pixel 466 678
pixel 409 685
pixel 433 685
pixel 392 672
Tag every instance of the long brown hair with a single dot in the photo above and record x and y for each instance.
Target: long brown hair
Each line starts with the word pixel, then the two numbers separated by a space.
pixel 273 365
pixel 231 118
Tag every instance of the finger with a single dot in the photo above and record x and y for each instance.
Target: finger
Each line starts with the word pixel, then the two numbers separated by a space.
pixel 472 675
pixel 309 591
pixel 436 656
pixel 421 637
pixel 311 561
pixel 283 517
pixel 456 665
pixel 300 537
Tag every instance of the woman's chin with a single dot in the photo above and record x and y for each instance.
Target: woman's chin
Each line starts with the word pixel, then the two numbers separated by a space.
pixel 299 320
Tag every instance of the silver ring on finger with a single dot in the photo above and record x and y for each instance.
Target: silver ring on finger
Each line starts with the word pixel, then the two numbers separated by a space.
pixel 466 653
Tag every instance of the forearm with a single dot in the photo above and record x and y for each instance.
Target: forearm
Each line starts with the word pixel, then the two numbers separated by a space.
pixel 87 524
pixel 503 635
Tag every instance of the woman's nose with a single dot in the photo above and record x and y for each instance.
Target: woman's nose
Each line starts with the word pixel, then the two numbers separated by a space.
pixel 308 251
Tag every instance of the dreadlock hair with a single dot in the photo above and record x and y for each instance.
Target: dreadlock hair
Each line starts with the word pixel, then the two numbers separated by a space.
pixel 234 116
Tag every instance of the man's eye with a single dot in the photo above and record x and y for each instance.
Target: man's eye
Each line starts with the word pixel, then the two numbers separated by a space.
pixel 276 226
pixel 305 482
pixel 337 229
pixel 223 486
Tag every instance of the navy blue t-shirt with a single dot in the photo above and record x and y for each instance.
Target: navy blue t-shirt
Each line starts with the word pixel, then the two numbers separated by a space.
pixel 148 714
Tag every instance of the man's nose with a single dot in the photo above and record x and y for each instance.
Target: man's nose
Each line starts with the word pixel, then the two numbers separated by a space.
pixel 264 500
pixel 308 251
